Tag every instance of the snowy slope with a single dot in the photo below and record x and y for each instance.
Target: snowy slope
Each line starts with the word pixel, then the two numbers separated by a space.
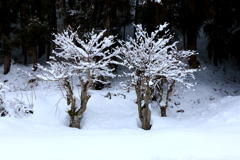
pixel 208 129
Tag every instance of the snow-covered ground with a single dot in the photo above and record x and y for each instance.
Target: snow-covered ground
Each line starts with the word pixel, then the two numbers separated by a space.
pixel 208 128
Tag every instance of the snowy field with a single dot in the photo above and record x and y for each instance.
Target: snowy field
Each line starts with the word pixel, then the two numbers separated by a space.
pixel 202 123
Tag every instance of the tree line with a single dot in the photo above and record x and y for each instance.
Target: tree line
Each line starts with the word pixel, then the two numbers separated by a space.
pixel 27 25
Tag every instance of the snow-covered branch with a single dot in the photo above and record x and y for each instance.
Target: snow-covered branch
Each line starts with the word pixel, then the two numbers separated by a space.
pixel 76 56
pixel 155 56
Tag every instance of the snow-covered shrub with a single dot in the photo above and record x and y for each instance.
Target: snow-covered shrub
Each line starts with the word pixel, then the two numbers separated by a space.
pixel 13 108
pixel 155 65
pixel 3 90
pixel 18 108
pixel 86 58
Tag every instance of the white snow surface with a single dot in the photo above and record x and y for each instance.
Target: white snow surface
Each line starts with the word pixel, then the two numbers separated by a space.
pixel 208 129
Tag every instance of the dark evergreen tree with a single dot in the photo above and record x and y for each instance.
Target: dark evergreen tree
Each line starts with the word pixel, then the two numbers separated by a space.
pixel 51 12
pixel 151 15
pixel 99 15
pixel 37 23
pixel 8 12
pixel 188 16
pixel 222 42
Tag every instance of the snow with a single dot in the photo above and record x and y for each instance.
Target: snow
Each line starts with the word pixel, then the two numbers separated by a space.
pixel 207 128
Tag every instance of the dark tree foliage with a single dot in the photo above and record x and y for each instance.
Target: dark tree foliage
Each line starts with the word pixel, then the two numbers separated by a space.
pixel 28 25
pixel 219 31
pixel 185 16
pixel 37 22
pixel 8 12
pixel 188 16
pixel 98 15
pixel 151 15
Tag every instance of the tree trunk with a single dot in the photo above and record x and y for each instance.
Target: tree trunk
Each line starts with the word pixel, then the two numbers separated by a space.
pixel 7 54
pixel 184 40
pixel 75 122
pixel 53 22
pixel 136 18
pixel 74 118
pixel 84 100
pixel 163 111
pixel 146 122
pixel 192 45
pixel 24 53
pixel 23 23
pixel 76 115
pixel 35 58
pixel 146 113
pixel 169 91
pixel 124 32
pixel 7 61
pixel 139 99
pixel 48 50
pixel 71 100
pixel 139 96
pixel 108 23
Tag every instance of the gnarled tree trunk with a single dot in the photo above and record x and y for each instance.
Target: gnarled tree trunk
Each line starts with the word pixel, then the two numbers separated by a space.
pixel 144 111
pixel 138 91
pixel 169 91
pixel 146 122
pixel 84 100
pixel 74 113
pixel 139 100
pixel 71 100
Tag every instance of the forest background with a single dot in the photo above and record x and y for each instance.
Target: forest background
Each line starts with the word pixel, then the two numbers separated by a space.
pixel 26 26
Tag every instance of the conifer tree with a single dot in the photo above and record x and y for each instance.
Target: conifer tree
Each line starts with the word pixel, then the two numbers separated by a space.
pixel 8 12
pixel 222 42
pixel 188 16
pixel 152 14
pixel 99 15
pixel 37 23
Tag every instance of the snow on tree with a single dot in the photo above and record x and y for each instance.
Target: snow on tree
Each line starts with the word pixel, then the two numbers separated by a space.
pixel 3 90
pixel 86 58
pixel 155 65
